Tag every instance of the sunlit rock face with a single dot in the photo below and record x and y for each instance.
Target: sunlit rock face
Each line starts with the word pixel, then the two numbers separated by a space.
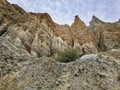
pixel 106 35
pixel 28 42
pixel 82 37
pixel 31 31
pixel 38 34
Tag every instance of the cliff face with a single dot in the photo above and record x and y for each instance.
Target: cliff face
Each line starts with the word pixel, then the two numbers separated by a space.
pixel 40 35
pixel 82 37
pixel 26 36
pixel 106 35
pixel 30 31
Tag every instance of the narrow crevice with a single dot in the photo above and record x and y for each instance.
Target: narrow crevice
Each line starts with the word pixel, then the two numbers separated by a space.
pixel 3 29
pixel 72 39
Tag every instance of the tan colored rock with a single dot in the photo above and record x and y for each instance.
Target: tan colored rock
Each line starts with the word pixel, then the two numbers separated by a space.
pixel 90 72
pixel 26 36
pixel 81 35
pixel 38 33
pixel 106 35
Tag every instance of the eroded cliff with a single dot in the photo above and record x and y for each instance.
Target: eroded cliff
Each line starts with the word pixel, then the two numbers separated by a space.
pixel 29 40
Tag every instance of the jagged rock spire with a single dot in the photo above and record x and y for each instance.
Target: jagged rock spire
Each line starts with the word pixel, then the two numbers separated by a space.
pixel 77 20
pixel 95 20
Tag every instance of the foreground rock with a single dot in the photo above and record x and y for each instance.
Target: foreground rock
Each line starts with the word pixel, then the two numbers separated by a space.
pixel 90 72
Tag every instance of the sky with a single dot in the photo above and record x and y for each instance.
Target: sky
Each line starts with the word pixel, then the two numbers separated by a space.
pixel 64 11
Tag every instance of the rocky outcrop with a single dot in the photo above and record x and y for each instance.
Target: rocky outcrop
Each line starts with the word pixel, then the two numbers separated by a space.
pixel 106 35
pixel 38 34
pixel 95 22
pixel 28 39
pixel 90 72
pixel 30 31
pixel 82 37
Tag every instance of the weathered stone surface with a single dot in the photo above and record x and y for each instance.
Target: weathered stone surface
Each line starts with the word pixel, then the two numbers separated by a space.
pixel 40 35
pixel 106 35
pixel 26 36
pixel 90 72
pixel 82 37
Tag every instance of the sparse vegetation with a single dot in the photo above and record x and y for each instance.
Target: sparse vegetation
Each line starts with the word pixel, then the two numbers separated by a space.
pixel 67 55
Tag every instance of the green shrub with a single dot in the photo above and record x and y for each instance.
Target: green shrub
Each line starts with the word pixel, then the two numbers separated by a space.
pixel 67 55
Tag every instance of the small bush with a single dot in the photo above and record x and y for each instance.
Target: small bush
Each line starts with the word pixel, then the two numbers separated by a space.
pixel 67 55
